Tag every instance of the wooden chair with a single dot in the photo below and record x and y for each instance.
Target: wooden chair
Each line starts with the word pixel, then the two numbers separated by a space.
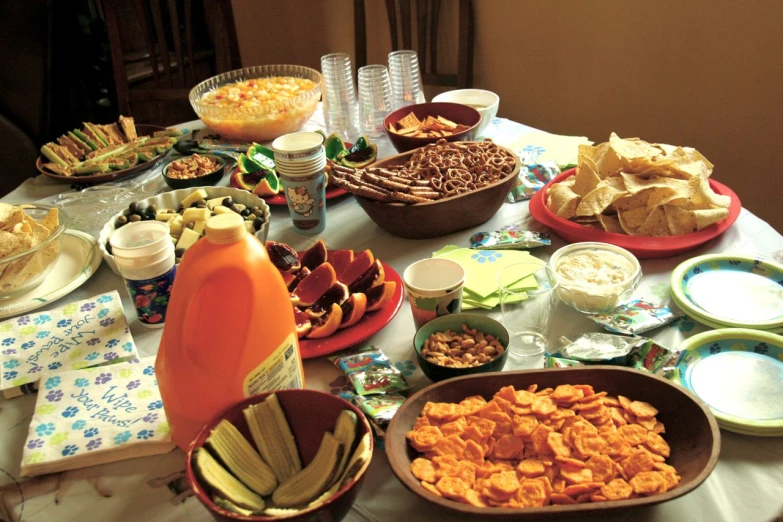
pixel 427 13
pixel 160 49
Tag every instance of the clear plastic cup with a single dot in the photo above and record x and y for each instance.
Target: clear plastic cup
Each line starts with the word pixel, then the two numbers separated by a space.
pixel 405 78
pixel 375 99
pixel 340 107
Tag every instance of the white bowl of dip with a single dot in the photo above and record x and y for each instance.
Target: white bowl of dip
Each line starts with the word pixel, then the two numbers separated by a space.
pixel 595 277
pixel 485 102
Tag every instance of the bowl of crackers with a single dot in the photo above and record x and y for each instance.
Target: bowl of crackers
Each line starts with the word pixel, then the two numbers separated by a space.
pixel 454 345
pixel 30 237
pixel 435 190
pixel 567 442
pixel 417 125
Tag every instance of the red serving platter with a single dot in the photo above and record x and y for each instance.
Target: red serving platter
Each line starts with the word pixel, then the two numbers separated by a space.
pixel 370 324
pixel 643 247
pixel 279 198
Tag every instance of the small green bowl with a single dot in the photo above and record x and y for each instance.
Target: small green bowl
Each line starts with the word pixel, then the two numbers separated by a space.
pixel 454 322
pixel 212 178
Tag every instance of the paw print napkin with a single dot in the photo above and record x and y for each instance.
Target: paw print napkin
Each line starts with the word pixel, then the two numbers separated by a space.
pixel 94 416
pixel 93 332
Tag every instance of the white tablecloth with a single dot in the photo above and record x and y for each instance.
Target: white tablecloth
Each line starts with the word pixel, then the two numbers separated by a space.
pixel 746 484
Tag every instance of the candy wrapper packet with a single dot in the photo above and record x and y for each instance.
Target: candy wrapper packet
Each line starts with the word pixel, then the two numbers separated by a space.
pixel 531 179
pixel 636 317
pixel 640 353
pixel 369 371
pixel 509 238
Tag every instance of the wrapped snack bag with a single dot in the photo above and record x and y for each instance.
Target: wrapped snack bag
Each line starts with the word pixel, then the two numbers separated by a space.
pixel 636 317
pixel 509 238
pixel 370 371
pixel 531 179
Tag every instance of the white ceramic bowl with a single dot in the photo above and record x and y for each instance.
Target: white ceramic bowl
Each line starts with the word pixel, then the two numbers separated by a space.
pixel 172 199
pixel 599 296
pixel 485 102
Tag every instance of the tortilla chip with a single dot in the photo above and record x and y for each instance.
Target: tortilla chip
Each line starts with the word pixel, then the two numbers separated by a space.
pixel 610 224
pixel 597 200
pixel 9 243
pixel 680 221
pixel 655 225
pixel 51 220
pixel 705 218
pixel 563 201
pixel 586 179
pixel 630 202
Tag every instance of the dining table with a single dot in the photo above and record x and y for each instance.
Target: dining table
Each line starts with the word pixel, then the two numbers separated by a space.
pixel 745 485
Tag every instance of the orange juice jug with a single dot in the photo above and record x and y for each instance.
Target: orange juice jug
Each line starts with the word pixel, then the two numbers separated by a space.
pixel 229 331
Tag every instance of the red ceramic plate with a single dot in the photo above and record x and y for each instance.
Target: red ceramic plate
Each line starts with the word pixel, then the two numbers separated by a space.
pixel 371 323
pixel 643 247
pixel 279 199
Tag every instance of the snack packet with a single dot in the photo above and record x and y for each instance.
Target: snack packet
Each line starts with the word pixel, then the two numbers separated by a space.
pixel 531 179
pixel 370 371
pixel 559 362
pixel 380 408
pixel 636 317
pixel 640 353
pixel 509 238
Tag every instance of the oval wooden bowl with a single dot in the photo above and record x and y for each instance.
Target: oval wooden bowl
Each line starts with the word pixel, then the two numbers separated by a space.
pixel 441 217
pixel 691 431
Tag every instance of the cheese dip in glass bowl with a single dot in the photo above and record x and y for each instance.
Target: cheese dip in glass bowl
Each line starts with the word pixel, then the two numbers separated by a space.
pixel 595 277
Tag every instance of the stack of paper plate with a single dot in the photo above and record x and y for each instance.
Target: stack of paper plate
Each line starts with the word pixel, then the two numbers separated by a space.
pixel 738 373
pixel 730 291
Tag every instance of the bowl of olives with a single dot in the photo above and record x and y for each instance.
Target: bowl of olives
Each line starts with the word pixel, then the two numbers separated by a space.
pixel 186 211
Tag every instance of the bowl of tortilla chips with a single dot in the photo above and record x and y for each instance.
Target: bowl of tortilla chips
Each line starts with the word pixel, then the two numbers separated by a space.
pixel 30 237
pixel 415 126
pixel 655 200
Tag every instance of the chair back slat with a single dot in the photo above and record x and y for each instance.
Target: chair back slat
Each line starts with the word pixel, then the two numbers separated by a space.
pixel 428 14
pixel 176 37
pixel 190 72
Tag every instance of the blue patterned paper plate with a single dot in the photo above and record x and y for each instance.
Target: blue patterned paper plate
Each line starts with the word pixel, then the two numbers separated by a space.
pixel 738 373
pixel 730 290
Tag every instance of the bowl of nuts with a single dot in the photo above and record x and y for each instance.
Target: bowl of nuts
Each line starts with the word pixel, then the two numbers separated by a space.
pixel 196 170
pixel 461 344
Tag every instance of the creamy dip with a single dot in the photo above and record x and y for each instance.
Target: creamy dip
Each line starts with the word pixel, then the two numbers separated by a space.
pixel 593 268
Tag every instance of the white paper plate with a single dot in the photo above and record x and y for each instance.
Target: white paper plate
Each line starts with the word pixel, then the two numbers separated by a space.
pixel 78 261
pixel 171 200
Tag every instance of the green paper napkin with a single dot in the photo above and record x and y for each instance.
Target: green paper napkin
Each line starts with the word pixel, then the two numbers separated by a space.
pixel 482 266
pixel 471 301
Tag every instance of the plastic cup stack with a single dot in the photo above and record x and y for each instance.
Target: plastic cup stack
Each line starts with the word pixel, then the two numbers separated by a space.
pixel 405 79
pixel 341 110
pixel 375 99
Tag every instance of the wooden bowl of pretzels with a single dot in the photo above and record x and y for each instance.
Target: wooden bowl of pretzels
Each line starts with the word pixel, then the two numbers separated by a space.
pixel 435 190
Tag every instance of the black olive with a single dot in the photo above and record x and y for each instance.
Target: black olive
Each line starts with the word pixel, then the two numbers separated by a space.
pixel 181 211
pixel 201 204
pixel 259 213
pixel 152 209
pixel 235 209
pixel 258 223
pixel 120 221
pixel 177 260
pixel 179 252
pixel 134 208
pixel 254 209
pixel 126 212
pixel 108 247
pixel 227 202
pixel 190 225
pixel 246 212
pixel 148 217
pixel 134 218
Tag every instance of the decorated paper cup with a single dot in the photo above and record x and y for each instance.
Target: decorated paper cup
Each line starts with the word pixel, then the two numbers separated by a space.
pixel 434 288
pixel 297 148
pixel 301 161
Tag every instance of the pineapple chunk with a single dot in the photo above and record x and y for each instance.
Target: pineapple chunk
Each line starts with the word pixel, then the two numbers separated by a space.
pixel 193 197
pixel 195 215
pixel 222 210
pixel 188 238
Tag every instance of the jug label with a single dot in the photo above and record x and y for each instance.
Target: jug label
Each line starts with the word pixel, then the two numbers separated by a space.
pixel 282 369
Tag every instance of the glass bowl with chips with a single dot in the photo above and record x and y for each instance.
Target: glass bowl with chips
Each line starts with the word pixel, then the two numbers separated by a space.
pixel 418 125
pixel 30 237
pixel 595 277
pixel 257 103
